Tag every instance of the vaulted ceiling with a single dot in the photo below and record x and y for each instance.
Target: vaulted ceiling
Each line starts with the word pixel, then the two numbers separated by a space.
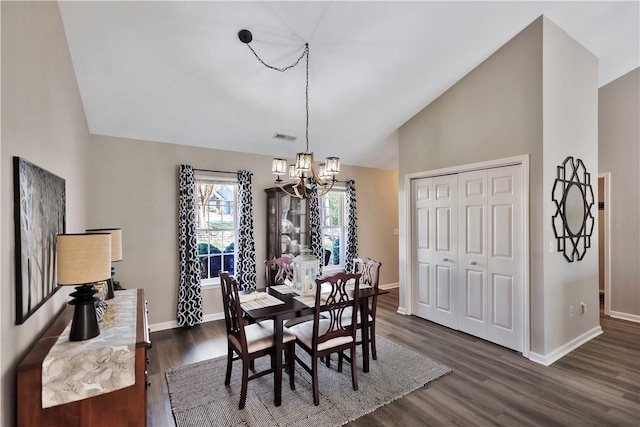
pixel 176 72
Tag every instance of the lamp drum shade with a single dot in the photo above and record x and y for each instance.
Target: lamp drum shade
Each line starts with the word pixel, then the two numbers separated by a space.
pixel 116 241
pixel 83 258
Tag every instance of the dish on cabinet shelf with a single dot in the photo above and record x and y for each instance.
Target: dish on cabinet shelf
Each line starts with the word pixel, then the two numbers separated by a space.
pixel 286 226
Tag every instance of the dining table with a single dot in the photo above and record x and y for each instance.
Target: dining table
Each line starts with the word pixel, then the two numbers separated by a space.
pixel 289 306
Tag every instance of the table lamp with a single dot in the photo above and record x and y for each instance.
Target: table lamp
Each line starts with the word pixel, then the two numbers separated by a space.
pixel 116 254
pixel 83 259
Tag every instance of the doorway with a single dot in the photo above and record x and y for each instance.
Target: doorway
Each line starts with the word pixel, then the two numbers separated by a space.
pixel 604 243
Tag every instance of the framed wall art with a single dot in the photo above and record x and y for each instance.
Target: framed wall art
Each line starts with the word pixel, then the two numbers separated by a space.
pixel 39 216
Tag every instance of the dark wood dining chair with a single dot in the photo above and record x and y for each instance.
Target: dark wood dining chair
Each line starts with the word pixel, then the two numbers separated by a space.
pixel 278 270
pixel 328 333
pixel 370 275
pixel 249 342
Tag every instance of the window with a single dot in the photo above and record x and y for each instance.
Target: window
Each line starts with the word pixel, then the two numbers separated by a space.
pixel 216 228
pixel 332 220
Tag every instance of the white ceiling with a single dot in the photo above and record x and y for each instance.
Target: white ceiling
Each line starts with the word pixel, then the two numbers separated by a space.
pixel 176 72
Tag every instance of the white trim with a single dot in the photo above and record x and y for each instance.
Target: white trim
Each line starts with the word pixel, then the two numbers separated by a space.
pixel 401 311
pixel 625 316
pixel 508 161
pixel 173 324
pixel 607 242
pixel 565 349
pixel 389 286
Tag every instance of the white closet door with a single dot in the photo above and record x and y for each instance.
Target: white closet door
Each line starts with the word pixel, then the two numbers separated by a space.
pixel 421 195
pixel 505 257
pixel 435 225
pixel 472 242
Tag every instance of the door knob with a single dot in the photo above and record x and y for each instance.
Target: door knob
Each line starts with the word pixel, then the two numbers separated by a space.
pixel 472 263
pixel 445 259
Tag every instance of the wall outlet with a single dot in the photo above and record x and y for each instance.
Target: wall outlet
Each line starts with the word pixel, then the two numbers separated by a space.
pixel 572 312
pixel 583 308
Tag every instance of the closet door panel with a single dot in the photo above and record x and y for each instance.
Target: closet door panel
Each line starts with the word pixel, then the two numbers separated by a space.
pixel 505 261
pixel 472 247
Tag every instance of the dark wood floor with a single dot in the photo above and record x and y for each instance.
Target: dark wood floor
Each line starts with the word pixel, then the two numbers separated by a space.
pixel 596 385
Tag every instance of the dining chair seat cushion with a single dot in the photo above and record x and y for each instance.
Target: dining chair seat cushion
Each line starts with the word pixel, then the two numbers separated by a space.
pixel 346 316
pixel 304 333
pixel 297 320
pixel 260 336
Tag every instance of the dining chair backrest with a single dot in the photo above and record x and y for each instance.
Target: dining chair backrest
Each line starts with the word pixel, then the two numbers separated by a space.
pixel 333 304
pixel 232 311
pixel 278 270
pixel 369 269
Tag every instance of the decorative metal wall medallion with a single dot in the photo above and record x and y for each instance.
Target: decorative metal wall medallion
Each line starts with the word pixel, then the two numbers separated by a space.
pixel 572 196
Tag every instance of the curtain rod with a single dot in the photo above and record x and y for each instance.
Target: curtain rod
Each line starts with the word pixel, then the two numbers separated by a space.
pixel 215 171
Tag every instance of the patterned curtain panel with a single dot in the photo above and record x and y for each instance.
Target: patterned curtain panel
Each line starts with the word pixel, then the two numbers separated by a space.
pixel 314 223
pixel 351 250
pixel 246 252
pixel 189 291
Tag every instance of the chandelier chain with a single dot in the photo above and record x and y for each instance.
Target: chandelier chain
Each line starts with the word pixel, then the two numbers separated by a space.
pixel 304 175
pixel 305 52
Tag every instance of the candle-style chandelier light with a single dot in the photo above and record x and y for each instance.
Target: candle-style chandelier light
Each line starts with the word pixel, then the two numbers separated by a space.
pixel 304 174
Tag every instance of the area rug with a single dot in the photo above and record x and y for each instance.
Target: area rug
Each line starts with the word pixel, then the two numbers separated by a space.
pixel 199 397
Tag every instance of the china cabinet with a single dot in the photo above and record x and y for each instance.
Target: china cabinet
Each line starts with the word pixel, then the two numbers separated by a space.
pixel 287 223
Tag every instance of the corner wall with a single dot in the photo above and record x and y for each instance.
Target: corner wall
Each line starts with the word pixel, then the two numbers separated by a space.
pixel 570 128
pixel 536 95
pixel 42 121
pixel 619 154
pixel 494 112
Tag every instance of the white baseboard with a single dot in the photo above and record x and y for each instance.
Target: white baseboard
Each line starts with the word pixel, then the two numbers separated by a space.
pixel 174 323
pixel 567 348
pixel 625 316
pixel 218 316
pixel 402 311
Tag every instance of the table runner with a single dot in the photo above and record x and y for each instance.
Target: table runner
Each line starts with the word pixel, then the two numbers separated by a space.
pixel 76 370
pixel 256 300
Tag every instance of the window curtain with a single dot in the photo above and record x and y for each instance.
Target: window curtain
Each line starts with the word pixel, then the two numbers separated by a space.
pixel 351 250
pixel 189 290
pixel 246 251
pixel 314 226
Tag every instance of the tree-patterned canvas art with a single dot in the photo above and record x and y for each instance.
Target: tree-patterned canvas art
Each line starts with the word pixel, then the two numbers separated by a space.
pixel 39 215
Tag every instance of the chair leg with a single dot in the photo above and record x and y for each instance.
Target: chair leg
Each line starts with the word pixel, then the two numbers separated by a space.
pixel 291 364
pixel 372 338
pixel 354 369
pixel 245 381
pixel 327 360
pixel 340 358
pixel 227 377
pixel 314 375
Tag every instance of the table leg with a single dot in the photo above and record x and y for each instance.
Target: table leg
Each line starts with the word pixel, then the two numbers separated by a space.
pixel 364 322
pixel 277 375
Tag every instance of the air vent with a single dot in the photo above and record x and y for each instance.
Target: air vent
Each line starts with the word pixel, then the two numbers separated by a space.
pixel 283 137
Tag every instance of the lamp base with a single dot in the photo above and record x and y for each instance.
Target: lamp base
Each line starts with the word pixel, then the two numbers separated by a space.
pixel 85 321
pixel 108 294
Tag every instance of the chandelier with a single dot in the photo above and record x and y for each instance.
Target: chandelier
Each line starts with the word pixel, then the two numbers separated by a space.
pixel 303 176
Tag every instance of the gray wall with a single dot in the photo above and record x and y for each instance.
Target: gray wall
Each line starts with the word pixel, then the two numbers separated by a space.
pixel 118 182
pixel 43 122
pixel 134 186
pixel 619 154
pixel 520 101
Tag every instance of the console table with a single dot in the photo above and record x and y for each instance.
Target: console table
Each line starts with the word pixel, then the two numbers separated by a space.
pixel 124 407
